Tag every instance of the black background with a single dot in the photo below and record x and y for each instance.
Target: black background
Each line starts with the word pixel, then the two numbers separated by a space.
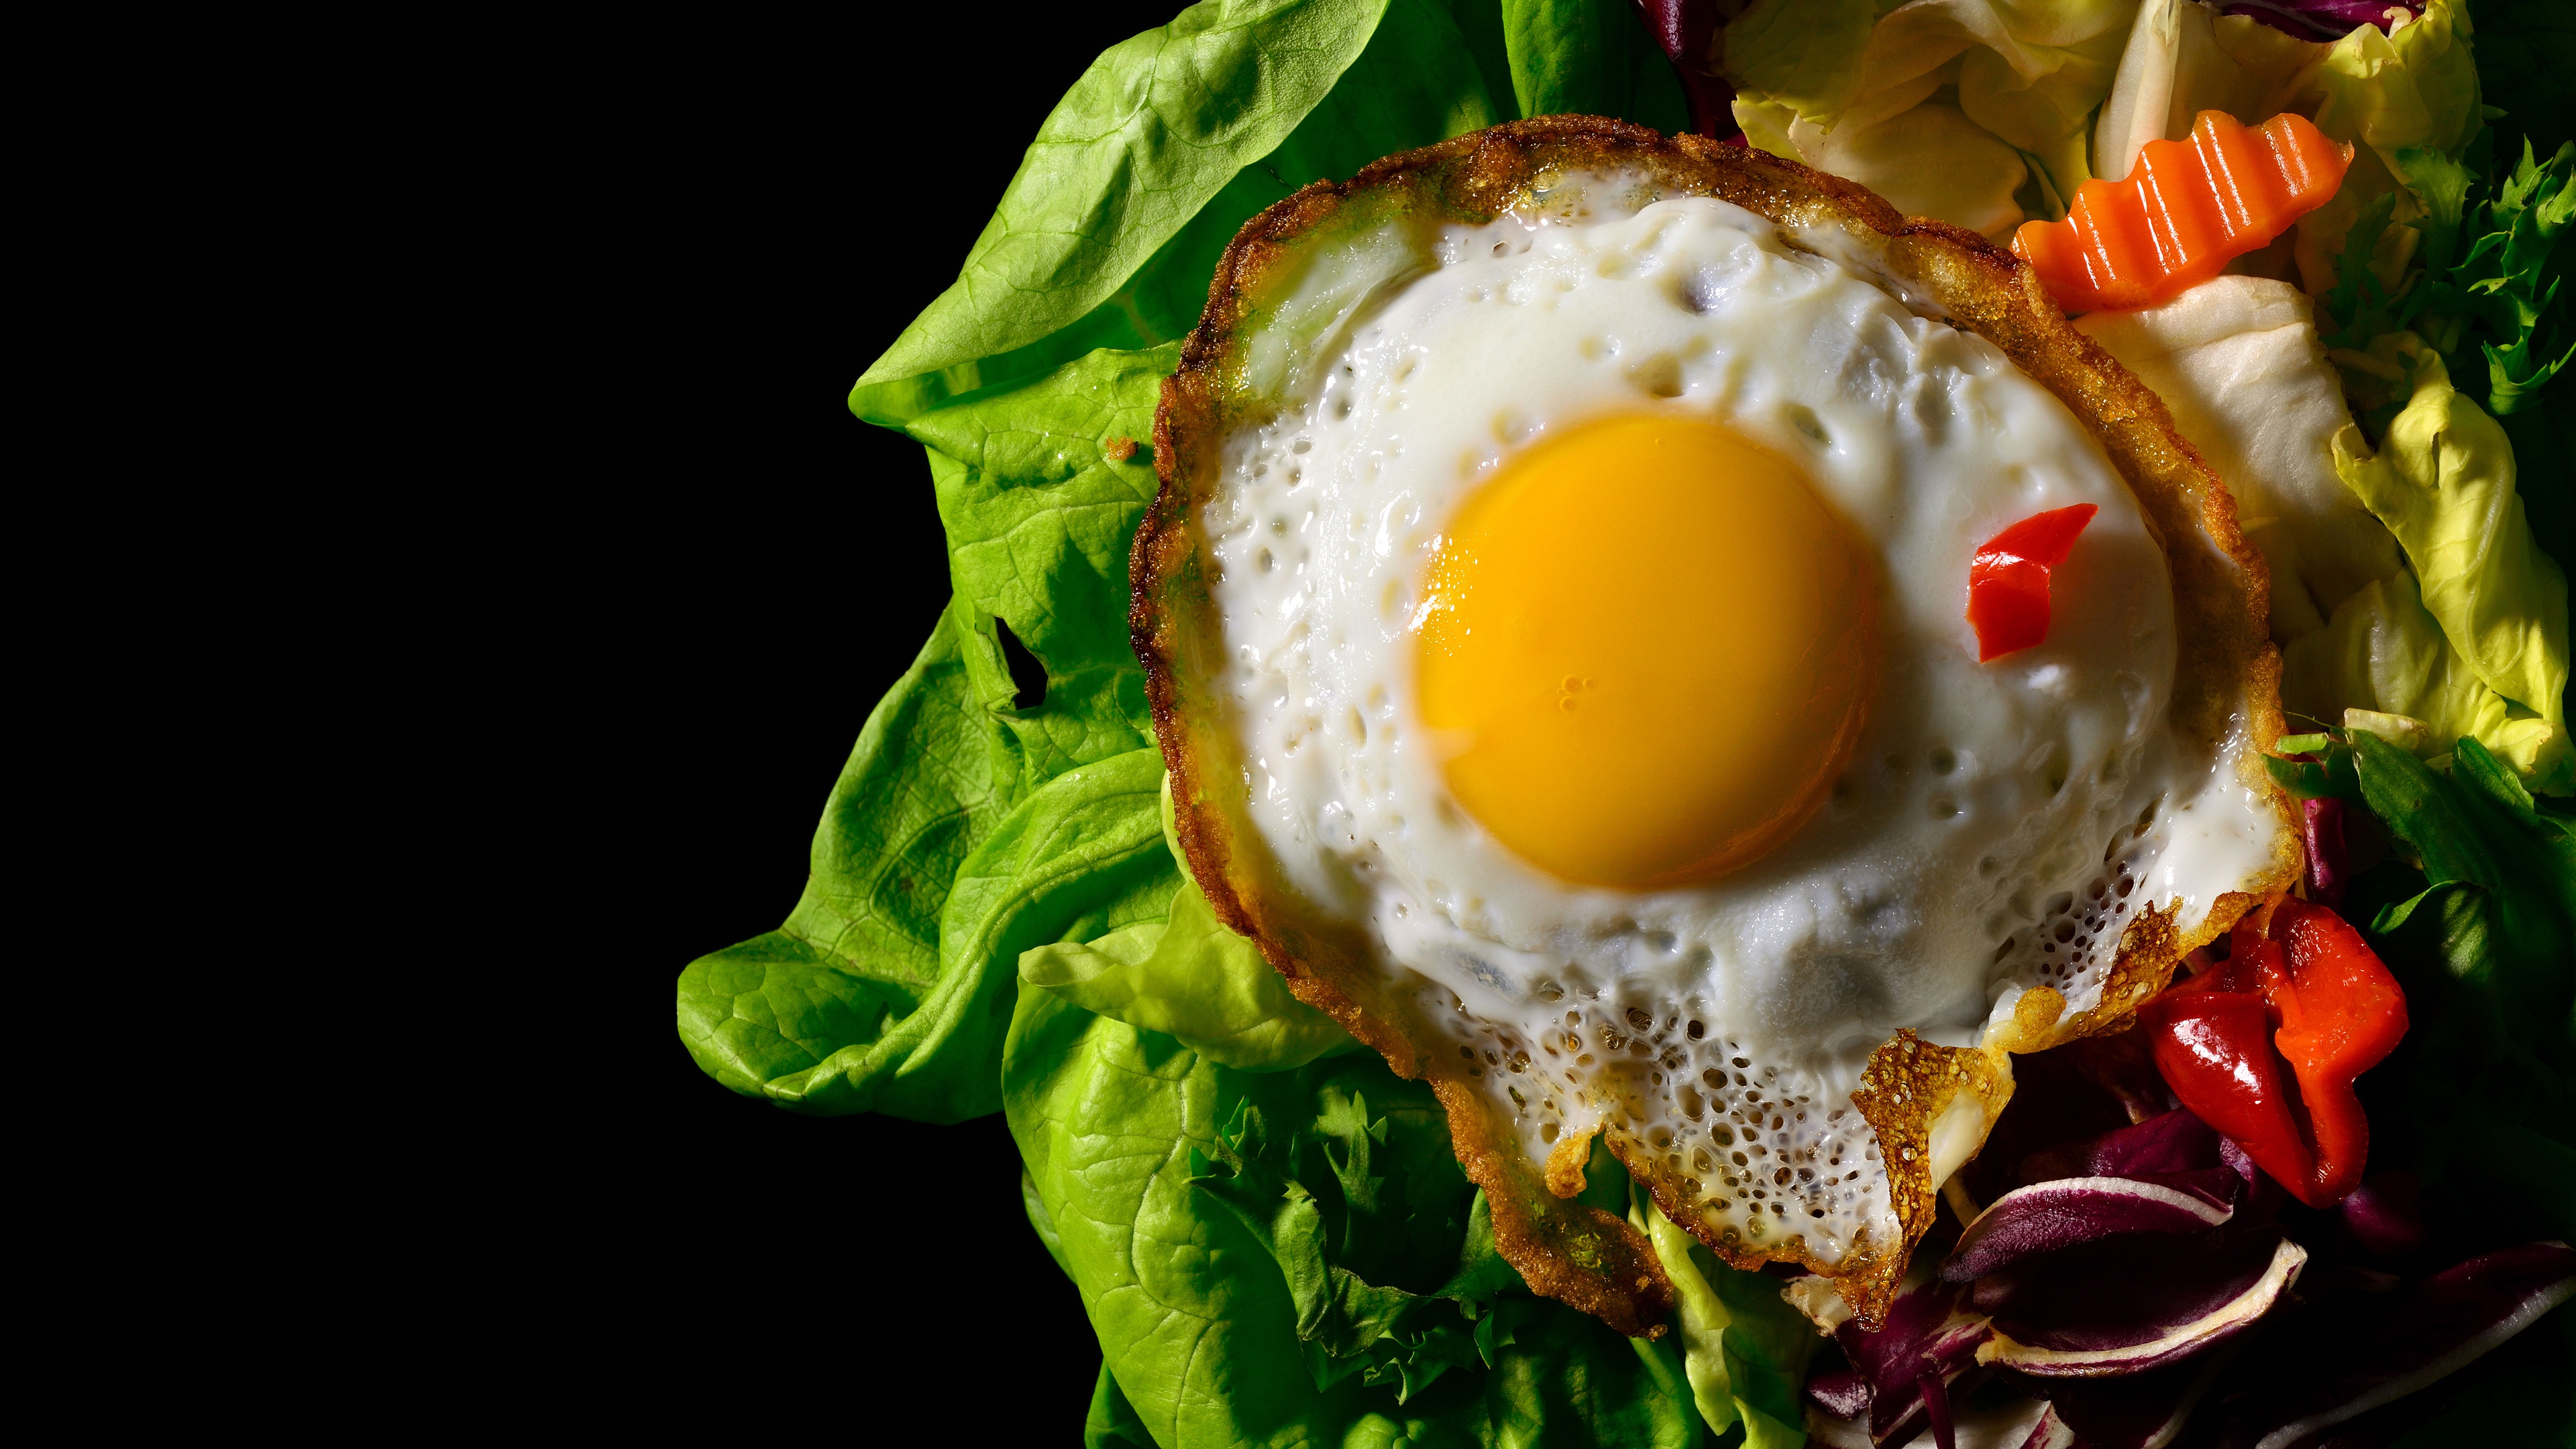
pixel 747 222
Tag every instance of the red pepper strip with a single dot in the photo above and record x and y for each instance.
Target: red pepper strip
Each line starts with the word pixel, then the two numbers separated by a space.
pixel 2340 1014
pixel 2008 579
pixel 2298 999
pixel 2211 1040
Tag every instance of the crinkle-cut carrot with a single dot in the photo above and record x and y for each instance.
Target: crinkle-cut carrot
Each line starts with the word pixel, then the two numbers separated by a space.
pixel 2184 211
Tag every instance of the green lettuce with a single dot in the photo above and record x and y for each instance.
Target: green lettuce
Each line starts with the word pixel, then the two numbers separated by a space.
pixel 2477 916
pixel 2414 87
pixel 1028 383
pixel 2382 652
pixel 1143 172
pixel 2443 482
pixel 1745 1350
pixel 2412 91
pixel 955 838
pixel 1189 976
pixel 1590 58
pixel 2490 274
pixel 1296 1258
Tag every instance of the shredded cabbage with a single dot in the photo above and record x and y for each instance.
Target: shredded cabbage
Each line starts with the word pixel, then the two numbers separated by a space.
pixel 2238 361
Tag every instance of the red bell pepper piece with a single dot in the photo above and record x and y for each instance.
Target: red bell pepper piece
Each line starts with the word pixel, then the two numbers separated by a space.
pixel 2265 1045
pixel 2340 1014
pixel 2008 579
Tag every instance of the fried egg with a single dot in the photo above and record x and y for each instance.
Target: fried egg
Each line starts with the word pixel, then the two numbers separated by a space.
pixel 1583 704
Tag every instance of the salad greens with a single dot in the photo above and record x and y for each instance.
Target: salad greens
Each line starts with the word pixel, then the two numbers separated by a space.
pixel 1190 978
pixel 1266 1226
pixel 1295 1257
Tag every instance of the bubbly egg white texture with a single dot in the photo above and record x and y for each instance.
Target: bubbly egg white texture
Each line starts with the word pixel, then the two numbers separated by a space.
pixel 1996 828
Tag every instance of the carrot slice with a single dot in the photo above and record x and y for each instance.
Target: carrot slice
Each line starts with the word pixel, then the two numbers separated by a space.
pixel 2185 211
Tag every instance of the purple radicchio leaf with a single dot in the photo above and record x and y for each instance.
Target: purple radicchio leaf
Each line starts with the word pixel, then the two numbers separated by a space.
pixel 2051 1217
pixel 2075 1093
pixel 2015 1423
pixel 2132 1411
pixel 2383 1215
pixel 1842 1392
pixel 2031 1424
pixel 2327 868
pixel 1688 32
pixel 1936 1406
pixel 2444 1324
pixel 2322 19
pixel 1928 1335
pixel 2121 1306
pixel 2174 1141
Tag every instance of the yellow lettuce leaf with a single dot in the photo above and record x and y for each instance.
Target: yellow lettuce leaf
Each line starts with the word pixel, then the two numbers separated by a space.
pixel 2442 481
pixel 2029 75
pixel 2385 92
pixel 2383 652
pixel 1929 161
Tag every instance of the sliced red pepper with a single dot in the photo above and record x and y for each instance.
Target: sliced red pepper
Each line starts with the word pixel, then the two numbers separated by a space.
pixel 2008 579
pixel 2340 1014
pixel 2299 1000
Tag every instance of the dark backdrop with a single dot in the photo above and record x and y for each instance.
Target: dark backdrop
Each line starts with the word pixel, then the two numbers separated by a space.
pixel 749 221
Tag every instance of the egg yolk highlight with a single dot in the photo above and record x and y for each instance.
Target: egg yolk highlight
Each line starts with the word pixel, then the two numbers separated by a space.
pixel 1645 650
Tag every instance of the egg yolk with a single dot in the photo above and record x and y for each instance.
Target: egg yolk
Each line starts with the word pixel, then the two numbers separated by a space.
pixel 1645 650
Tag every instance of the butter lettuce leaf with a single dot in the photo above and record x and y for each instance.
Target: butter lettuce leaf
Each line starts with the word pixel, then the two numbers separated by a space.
pixel 1189 977
pixel 1835 74
pixel 1590 58
pixel 2388 93
pixel 889 985
pixel 2382 652
pixel 1745 1350
pixel 1184 1259
pixel 1144 171
pixel 2443 481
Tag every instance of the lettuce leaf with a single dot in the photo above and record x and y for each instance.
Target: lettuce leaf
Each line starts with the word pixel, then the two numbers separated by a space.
pixel 2486 1075
pixel 2382 652
pixel 1201 1244
pixel 944 852
pixel 1190 977
pixel 2443 482
pixel 1745 1350
pixel 1143 172
pixel 1590 58
pixel 2029 78
pixel 2416 86
pixel 2491 274
pixel 1111 1422
pixel 1028 382
pixel 2415 89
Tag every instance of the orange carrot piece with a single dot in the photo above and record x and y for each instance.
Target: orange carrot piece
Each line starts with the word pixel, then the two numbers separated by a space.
pixel 2185 211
